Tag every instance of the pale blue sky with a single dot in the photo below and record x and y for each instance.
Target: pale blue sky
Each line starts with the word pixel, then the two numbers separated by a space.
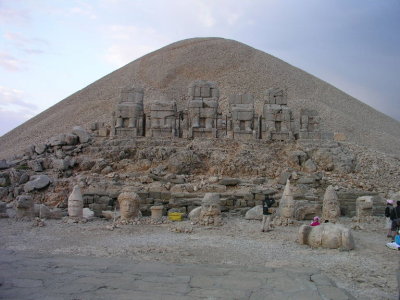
pixel 49 49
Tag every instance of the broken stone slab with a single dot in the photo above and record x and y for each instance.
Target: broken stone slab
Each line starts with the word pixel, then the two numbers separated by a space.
pixel 37 182
pixel 58 140
pixel 229 181
pixel 36 165
pixel 24 207
pixel 195 213
pixel 256 213
pixel 82 134
pixel 3 210
pixel 42 211
pixel 310 166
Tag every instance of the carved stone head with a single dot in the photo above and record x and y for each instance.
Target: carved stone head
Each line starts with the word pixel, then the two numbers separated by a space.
pixel 364 206
pixel 210 210
pixel 330 205
pixel 129 205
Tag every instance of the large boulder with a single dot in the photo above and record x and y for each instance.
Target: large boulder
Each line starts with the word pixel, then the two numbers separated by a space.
pixel 82 134
pixel 256 213
pixel 36 182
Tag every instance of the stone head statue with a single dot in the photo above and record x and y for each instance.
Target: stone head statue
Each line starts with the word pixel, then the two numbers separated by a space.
pixel 287 205
pixel 330 205
pixel 129 205
pixel 210 210
pixel 75 203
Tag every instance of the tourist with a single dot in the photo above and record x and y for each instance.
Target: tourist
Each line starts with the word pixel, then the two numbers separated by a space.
pixel 266 221
pixel 396 243
pixel 388 211
pixel 315 221
pixel 395 217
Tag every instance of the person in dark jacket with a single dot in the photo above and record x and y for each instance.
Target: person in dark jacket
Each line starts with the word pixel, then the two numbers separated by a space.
pixel 388 212
pixel 395 217
pixel 266 221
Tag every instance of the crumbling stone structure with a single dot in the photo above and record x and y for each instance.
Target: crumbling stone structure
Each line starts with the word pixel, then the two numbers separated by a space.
pixel 163 119
pixel 277 118
pixel 128 117
pixel 203 109
pixel 243 124
pixel 202 117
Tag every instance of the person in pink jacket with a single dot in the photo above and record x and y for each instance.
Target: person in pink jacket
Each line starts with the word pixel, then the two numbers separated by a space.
pixel 315 222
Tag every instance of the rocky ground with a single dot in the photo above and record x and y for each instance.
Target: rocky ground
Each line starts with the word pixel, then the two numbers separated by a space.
pixel 367 272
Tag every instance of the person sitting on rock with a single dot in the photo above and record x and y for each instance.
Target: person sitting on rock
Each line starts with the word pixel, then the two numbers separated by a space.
pixel 266 221
pixel 315 221
pixel 396 243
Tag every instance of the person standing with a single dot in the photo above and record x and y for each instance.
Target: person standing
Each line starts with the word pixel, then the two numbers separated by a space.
pixel 266 221
pixel 388 212
pixel 395 217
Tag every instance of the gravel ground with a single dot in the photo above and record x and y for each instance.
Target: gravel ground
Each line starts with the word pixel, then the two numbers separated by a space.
pixel 368 272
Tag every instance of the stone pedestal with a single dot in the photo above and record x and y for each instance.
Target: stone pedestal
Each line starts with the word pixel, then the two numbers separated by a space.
pixel 156 212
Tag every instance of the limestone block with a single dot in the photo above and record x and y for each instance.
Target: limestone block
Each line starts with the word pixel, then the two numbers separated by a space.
pixel 36 182
pixel 195 104
pixel 58 140
pixel 197 91
pixel 256 213
pixel 229 181
pixel 24 207
pixel 244 115
pixel 205 92
pixel 332 236
pixel 82 134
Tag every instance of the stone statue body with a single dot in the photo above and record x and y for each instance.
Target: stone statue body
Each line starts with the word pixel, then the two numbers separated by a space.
pixel 210 210
pixel 75 203
pixel 330 205
pixel 364 207
pixel 129 205
pixel 331 236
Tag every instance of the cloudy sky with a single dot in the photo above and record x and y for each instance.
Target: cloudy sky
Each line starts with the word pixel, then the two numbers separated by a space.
pixel 49 49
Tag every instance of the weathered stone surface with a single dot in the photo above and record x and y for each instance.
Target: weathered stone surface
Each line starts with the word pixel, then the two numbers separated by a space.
pixel 24 178
pixel 331 236
pixel 364 206
pixel 42 211
pixel 3 164
pixel 24 207
pixel 36 165
pixel 184 162
pixel 195 213
pixel 297 158
pixel 82 134
pixel 3 210
pixel 229 181
pixel 255 213
pixel 36 182
pixel 309 166
pixel 40 149
pixel 57 140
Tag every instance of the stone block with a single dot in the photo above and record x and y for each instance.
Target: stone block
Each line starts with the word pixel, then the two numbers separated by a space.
pixel 229 181
pixel 37 182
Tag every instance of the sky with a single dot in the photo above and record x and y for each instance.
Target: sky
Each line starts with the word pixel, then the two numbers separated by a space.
pixel 50 49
